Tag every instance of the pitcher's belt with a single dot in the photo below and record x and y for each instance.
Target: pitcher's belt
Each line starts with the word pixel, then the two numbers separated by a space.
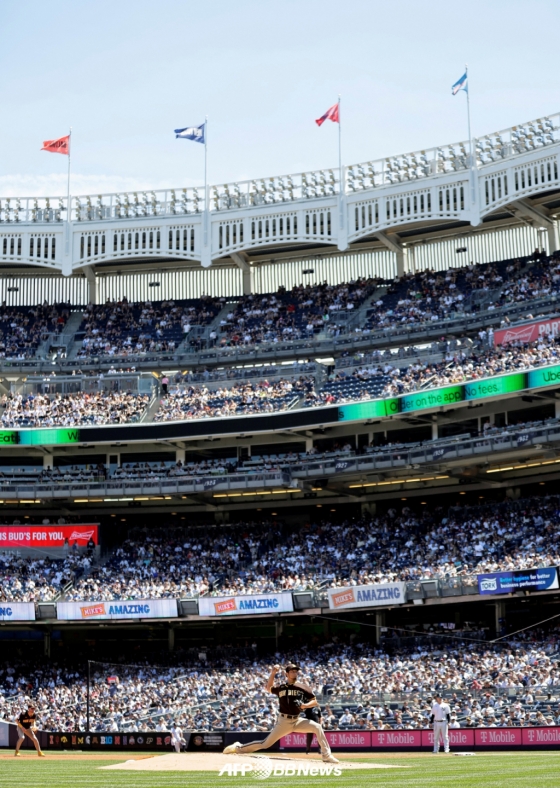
pixel 290 716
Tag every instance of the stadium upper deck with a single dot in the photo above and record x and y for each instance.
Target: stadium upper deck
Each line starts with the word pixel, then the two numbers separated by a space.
pixel 391 203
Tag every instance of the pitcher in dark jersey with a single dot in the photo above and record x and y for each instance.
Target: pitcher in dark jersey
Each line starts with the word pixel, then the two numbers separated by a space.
pixel 293 697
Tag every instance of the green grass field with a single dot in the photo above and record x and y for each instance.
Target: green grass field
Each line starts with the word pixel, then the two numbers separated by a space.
pixel 493 771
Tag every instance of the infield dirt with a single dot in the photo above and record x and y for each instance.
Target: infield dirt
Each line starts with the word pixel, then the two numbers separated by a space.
pixel 214 761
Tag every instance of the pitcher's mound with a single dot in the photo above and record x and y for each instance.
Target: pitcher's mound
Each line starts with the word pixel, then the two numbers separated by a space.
pixel 215 761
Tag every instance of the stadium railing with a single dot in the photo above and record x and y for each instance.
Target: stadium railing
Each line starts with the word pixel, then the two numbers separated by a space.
pixel 398 334
pixel 150 487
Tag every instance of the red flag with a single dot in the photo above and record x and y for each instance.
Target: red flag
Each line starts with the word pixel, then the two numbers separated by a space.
pixel 330 114
pixel 61 145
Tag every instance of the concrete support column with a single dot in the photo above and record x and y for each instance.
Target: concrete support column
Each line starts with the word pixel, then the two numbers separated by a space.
pixel 242 262
pixel 170 639
pixel 435 432
pixel 557 408
pixel 279 630
pixel 48 461
pixel 92 284
pixel 499 617
pixel 248 281
pixel 309 443
pixel 401 262
pixel 47 644
pixel 180 455
pixel 553 237
pixel 379 622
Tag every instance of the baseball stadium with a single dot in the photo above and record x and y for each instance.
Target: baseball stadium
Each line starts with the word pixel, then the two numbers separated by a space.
pixel 280 456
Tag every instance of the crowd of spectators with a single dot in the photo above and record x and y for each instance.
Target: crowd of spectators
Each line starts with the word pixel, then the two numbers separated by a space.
pixel 300 313
pixel 431 296
pixel 378 376
pixel 129 329
pixel 79 408
pixel 257 558
pixel 23 328
pixel 197 402
pixel 459 366
pixel 512 683
pixel 167 563
pixel 540 280
pixel 39 579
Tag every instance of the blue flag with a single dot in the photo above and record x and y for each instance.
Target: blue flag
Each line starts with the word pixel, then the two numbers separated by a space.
pixel 461 84
pixel 194 133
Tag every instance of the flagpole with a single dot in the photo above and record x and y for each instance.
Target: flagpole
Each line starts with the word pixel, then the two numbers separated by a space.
pixel 467 91
pixel 206 181
pixel 472 158
pixel 68 206
pixel 340 174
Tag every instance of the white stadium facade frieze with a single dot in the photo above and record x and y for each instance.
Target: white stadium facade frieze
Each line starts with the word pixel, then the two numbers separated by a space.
pixel 515 177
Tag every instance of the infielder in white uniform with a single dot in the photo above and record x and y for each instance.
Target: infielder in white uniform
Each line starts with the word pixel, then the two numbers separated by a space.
pixel 441 714
pixel 177 738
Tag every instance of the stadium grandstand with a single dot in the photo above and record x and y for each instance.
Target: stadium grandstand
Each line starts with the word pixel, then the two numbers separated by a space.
pixel 325 430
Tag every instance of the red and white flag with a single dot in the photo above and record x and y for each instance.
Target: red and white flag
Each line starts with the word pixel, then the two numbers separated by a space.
pixel 61 145
pixel 330 114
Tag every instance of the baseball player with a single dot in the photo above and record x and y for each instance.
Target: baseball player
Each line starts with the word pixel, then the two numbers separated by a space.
pixel 440 717
pixel 293 697
pixel 26 726
pixel 177 738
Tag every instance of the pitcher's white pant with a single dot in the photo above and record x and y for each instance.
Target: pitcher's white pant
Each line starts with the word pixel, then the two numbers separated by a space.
pixel 283 727
pixel 441 734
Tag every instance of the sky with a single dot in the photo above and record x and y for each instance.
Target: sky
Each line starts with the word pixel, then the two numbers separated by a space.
pixel 125 73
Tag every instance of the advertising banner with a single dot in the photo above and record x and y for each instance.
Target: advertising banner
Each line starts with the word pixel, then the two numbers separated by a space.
pixel 48 437
pixel 25 536
pixel 252 604
pixel 205 741
pixel 498 737
pixel 375 409
pixel 17 611
pixel 535 737
pixel 342 740
pixel 367 596
pixel 494 387
pixel 527 333
pixel 432 398
pixel 394 739
pixel 520 579
pixel 458 737
pixel 116 609
pixel 107 741
pixel 546 376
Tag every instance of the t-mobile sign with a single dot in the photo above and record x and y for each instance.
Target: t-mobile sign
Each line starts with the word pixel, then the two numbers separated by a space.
pixel 342 740
pixel 32 536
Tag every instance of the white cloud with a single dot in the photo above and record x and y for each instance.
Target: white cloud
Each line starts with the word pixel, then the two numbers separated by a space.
pixel 55 185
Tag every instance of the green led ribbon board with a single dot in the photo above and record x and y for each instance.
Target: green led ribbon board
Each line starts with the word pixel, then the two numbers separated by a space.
pixel 8 437
pixel 379 408
pixel 48 437
pixel 548 376
pixel 432 398
pixel 493 387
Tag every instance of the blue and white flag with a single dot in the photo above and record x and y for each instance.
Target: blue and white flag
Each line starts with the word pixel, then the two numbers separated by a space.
pixel 195 133
pixel 461 84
